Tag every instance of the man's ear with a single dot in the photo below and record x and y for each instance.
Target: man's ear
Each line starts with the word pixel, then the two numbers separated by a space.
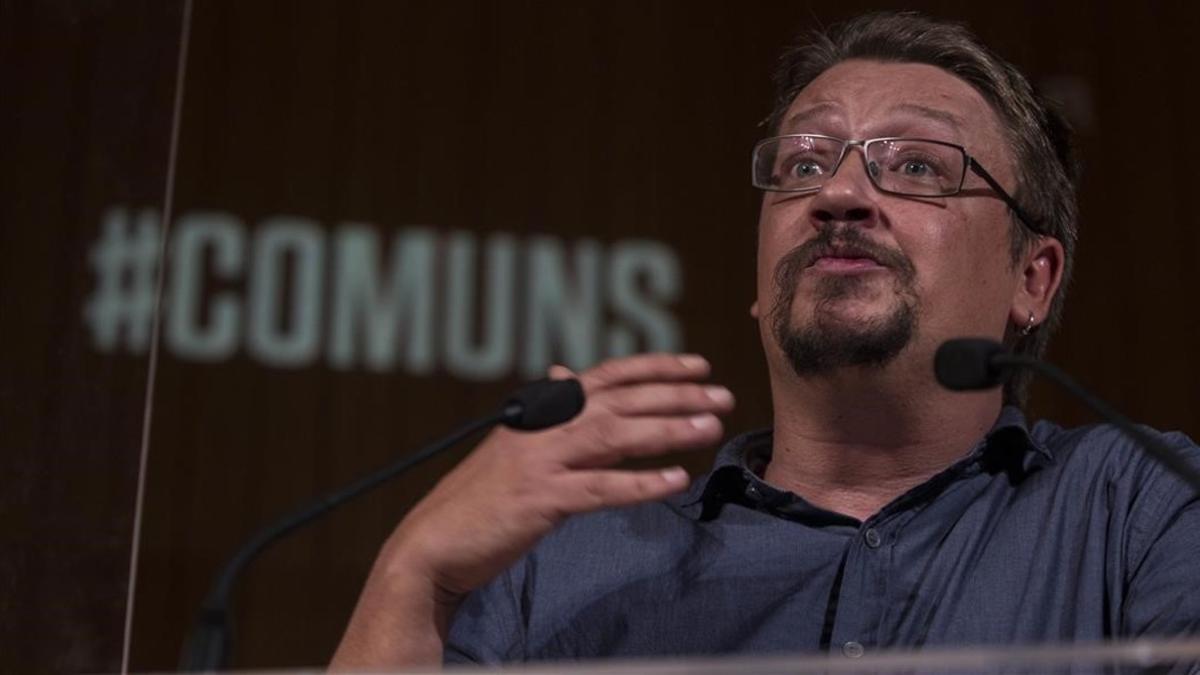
pixel 754 309
pixel 1041 275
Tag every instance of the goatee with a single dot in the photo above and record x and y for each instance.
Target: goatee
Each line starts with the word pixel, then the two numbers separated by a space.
pixel 827 342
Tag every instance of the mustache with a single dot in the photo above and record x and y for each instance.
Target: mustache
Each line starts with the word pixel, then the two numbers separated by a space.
pixel 844 242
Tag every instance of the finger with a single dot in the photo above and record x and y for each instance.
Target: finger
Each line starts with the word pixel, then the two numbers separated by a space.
pixel 645 368
pixel 608 439
pixel 559 372
pixel 581 491
pixel 666 399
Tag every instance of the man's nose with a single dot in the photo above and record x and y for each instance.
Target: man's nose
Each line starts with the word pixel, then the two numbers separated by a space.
pixel 848 195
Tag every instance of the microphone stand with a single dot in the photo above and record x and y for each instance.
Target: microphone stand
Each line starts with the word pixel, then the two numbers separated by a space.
pixel 209 644
pixel 537 405
pixel 1160 451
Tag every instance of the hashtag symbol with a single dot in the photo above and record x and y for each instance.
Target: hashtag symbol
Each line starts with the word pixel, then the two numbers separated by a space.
pixel 124 260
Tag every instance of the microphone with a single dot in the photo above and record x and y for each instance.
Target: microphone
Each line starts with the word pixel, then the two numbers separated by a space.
pixel 537 405
pixel 972 364
pixel 543 404
pixel 969 364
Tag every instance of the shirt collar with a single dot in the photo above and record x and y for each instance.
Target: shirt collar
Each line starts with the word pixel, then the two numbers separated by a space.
pixel 736 473
pixel 1012 430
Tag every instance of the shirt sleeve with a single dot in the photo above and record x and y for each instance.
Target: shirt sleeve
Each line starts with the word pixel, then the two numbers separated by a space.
pixel 489 627
pixel 1163 555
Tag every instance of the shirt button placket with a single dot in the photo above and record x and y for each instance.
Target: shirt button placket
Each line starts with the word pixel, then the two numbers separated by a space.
pixel 872 537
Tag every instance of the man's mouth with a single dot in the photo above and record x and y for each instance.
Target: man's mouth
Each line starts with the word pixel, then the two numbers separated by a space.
pixel 840 264
pixel 844 259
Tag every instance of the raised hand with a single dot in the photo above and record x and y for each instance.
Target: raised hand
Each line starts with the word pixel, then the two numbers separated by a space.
pixel 517 486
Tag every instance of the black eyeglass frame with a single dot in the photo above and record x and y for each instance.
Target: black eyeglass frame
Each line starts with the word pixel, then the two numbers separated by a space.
pixel 969 162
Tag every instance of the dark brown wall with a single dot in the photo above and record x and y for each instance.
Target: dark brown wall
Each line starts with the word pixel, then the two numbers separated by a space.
pixel 595 123
pixel 85 110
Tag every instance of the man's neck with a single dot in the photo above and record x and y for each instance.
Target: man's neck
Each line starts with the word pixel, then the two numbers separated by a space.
pixel 854 441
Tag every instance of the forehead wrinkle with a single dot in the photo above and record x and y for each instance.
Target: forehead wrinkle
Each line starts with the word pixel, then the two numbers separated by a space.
pixel 937 114
pixel 824 109
pixel 858 90
pixel 811 112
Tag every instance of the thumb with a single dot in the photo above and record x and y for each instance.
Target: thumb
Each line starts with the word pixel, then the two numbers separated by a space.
pixel 560 372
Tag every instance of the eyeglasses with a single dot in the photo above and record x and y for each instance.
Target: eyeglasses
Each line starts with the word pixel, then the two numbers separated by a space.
pixel 912 167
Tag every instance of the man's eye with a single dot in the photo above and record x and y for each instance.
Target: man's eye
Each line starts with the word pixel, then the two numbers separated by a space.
pixel 916 166
pixel 806 169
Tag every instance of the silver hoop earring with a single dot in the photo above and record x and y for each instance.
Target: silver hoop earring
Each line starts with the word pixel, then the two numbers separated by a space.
pixel 1029 326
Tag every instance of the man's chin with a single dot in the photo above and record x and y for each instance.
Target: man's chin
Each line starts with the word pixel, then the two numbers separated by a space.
pixel 851 318
pixel 846 339
pixel 850 315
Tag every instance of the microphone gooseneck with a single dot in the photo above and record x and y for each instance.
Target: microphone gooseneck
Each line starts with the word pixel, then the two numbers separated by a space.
pixel 537 405
pixel 972 364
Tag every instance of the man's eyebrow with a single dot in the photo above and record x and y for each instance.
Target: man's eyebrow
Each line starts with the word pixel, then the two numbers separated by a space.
pixel 824 108
pixel 938 114
pixel 807 114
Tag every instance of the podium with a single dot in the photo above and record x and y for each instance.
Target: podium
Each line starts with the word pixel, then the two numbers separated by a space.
pixel 1144 656
pixel 1138 656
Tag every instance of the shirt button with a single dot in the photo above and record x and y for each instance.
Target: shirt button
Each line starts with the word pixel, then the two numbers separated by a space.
pixel 752 491
pixel 853 649
pixel 873 538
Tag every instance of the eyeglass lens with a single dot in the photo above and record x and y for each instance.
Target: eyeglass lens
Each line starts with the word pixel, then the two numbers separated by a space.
pixel 906 166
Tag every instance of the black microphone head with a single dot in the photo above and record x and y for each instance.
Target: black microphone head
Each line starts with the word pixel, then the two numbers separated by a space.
pixel 543 404
pixel 967 364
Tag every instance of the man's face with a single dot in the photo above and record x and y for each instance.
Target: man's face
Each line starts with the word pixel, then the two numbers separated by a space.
pixel 851 276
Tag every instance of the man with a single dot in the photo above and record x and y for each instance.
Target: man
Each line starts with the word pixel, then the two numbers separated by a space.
pixel 915 190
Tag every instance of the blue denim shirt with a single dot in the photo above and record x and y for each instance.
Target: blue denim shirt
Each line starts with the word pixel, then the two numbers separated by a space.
pixel 1035 535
